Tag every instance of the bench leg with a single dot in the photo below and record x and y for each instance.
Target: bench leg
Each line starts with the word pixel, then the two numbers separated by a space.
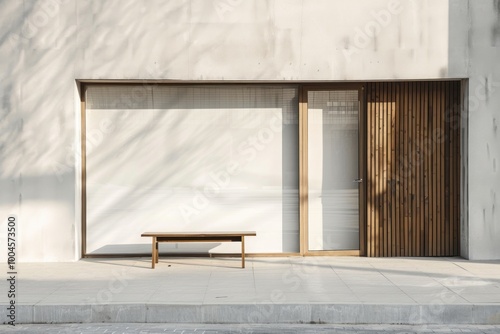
pixel 153 253
pixel 242 252
pixel 157 252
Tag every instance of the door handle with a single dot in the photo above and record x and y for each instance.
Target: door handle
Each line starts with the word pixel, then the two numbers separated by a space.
pixel 357 180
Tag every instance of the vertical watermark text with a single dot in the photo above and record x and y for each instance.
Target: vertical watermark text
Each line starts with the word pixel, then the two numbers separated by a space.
pixel 11 269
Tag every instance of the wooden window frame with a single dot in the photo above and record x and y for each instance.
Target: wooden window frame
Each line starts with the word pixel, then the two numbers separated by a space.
pixel 303 156
pixel 303 168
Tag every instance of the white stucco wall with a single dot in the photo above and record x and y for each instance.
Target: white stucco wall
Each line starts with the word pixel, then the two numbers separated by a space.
pixel 484 130
pixel 45 45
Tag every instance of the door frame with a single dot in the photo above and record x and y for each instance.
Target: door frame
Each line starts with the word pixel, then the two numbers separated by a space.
pixel 303 169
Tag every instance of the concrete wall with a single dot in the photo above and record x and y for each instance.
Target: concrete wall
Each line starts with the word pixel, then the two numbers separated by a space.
pixel 45 45
pixel 484 130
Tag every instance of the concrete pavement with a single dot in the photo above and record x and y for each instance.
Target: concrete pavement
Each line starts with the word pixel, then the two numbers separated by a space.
pixel 134 328
pixel 284 290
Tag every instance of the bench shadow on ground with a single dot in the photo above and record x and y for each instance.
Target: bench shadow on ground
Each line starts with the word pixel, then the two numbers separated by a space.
pixel 169 260
pixel 170 253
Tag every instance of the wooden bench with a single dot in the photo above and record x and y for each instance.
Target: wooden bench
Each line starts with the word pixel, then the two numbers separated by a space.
pixel 197 237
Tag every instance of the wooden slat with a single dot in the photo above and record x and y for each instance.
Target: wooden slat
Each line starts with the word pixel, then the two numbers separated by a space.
pixel 406 200
pixel 399 179
pixel 432 154
pixel 421 197
pixel 413 171
pixel 441 169
pixel 448 167
pixel 375 169
pixel 385 130
pixel 437 156
pixel 390 168
pixel 378 174
pixel 416 167
pixel 456 168
pixel 436 164
pixel 393 172
pixel 370 209
pixel 406 184
pixel 427 174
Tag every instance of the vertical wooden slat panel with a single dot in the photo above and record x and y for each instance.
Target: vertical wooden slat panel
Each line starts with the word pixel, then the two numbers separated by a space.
pixel 412 168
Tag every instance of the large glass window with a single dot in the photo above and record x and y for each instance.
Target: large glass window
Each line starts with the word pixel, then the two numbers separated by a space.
pixel 191 158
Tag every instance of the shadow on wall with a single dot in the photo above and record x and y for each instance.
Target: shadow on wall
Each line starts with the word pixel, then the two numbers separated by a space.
pixel 164 149
pixel 495 31
pixel 43 53
pixel 37 118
